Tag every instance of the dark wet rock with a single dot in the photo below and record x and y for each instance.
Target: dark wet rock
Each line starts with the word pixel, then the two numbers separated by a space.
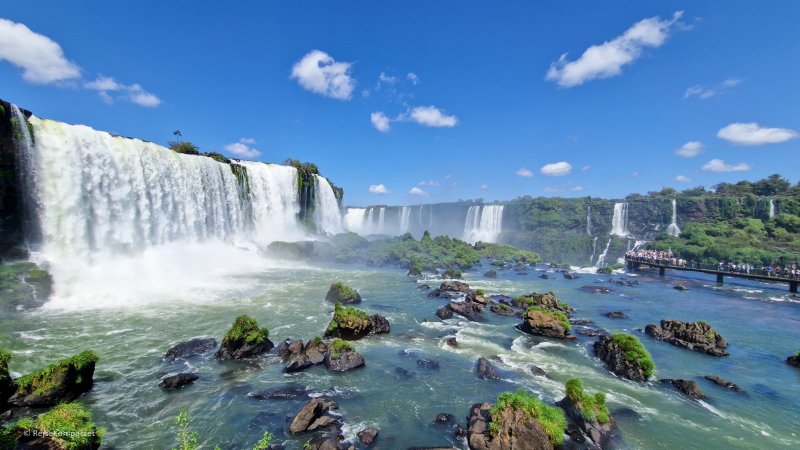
pixel 444 313
pixel 280 394
pixel 431 448
pixel 404 373
pixel 190 348
pixel 599 433
pixel 424 287
pixel 455 286
pixel 688 387
pixel 314 415
pixel 609 350
pixel 544 276
pixel 244 340
pixel 538 371
pixel 63 381
pixel 379 324
pixel 680 287
pixel 282 350
pixel 414 271
pixel 467 310
pixel 500 298
pixel 328 442
pixel 178 381
pixel 490 274
pixel 502 309
pixel 697 336
pixel 626 413
pixel 300 357
pixel 444 419
pixel 546 300
pixel 592 332
pixel 580 321
pixel 486 370
pixel 516 430
pixel 544 322
pixel 451 341
pixel 352 324
pixel 341 293
pixel 367 436
pixel 570 276
pixel 428 364
pixel 594 289
pixel 616 315
pixel 345 362
pixel 794 360
pixel 723 382
pixel 575 433
pixel 438 293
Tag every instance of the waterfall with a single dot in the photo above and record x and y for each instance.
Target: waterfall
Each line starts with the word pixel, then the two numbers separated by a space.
pixel 619 221
pixel 594 250
pixel 673 228
pixel 771 208
pixel 27 178
pixel 381 220
pixel 601 260
pixel 354 220
pixel 483 223
pixel 405 219
pixel 327 214
pixel 589 220
pixel 421 207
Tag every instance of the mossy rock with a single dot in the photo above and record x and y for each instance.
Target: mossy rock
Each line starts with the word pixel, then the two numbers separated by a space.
pixel 452 274
pixel 59 382
pixel 625 355
pixel 348 323
pixel 68 426
pixel 516 420
pixel 245 339
pixel 589 412
pixel 342 293
pixel 7 386
pixel 24 285
pixel 545 322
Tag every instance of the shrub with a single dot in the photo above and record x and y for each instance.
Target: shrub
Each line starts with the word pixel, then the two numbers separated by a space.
pixel 339 346
pixel 245 329
pixel 593 407
pixel 550 418
pixel 635 352
pixel 349 317
pixel 69 424
pixel 345 290
pixel 184 147
pixel 479 292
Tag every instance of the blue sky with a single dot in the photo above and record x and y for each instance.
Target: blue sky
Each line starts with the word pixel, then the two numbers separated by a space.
pixel 649 94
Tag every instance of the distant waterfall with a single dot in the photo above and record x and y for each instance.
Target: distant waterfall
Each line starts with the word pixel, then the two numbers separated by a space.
pixel 601 260
pixel 594 250
pixel 589 220
pixel 619 221
pixel 382 220
pixel 771 208
pixel 673 228
pixel 354 220
pixel 483 223
pixel 327 215
pixel 405 219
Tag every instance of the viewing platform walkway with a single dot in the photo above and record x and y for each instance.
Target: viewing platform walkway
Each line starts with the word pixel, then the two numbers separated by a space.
pixel 635 263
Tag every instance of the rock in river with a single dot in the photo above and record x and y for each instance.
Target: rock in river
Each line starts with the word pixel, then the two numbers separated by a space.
pixel 190 348
pixel 697 336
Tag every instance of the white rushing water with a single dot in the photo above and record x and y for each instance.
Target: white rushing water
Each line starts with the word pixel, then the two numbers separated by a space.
pixel 601 260
pixel 275 201
pixel 594 250
pixel 619 221
pixel 405 219
pixel 354 220
pixel 327 214
pixel 589 220
pixel 673 228
pixel 382 220
pixel 771 208
pixel 483 223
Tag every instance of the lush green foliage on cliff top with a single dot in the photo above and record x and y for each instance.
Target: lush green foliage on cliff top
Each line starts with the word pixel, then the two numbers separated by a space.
pixel 550 418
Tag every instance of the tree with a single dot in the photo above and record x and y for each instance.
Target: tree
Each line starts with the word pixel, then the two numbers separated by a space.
pixel 177 134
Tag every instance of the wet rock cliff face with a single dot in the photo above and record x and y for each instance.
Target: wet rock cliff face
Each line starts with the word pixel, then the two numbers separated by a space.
pixel 11 231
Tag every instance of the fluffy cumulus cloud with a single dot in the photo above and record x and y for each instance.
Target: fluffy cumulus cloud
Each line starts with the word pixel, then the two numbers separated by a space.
pixel 558 169
pixel 243 148
pixel 378 189
pixel 133 93
pixel 417 191
pixel 523 172
pixel 319 73
pixel 689 149
pixel 41 59
pixel 704 92
pixel 380 121
pixel 682 179
pixel 754 134
pixel 607 59
pixel 718 165
pixel 431 116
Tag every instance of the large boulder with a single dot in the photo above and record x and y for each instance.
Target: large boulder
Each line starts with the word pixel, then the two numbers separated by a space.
pixel 177 381
pixel 502 309
pixel 190 348
pixel 697 336
pixel 353 324
pixel 547 300
pixel 302 357
pixel 491 273
pixel 61 382
pixel 342 293
pixel 67 426
pixel 794 360
pixel 314 415
pixel 486 370
pixel 467 310
pixel 589 413
pixel 688 387
pixel 367 436
pixel 342 357
pixel 625 356
pixel 245 339
pixel 454 286
pixel 545 322
pixel 444 313
pixel 719 381
pixel 7 386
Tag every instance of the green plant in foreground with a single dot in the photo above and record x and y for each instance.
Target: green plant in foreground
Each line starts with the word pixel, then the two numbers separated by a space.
pixel 635 351
pixel 263 443
pixel 593 407
pixel 187 440
pixel 245 329
pixel 69 424
pixel 550 418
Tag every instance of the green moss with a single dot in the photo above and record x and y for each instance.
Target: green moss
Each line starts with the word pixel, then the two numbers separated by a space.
pixel 5 356
pixel 503 306
pixel 550 418
pixel 43 380
pixel 593 407
pixel 69 424
pixel 635 351
pixel 240 172
pixel 245 329
pixel 348 317
pixel 314 342
pixel 346 291
pixel 451 273
pixel 479 292
pixel 561 317
pixel 339 346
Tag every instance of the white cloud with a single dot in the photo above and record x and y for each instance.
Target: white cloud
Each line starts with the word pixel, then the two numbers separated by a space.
pixel 552 189
pixel 318 72
pixel 753 134
pixel 577 189
pixel 683 179
pixel 585 168
pixel 107 99
pixel 380 121
pixel 417 191
pixel 41 59
pixel 378 189
pixel 703 92
pixel 243 148
pixel 428 183
pixel 413 78
pixel 133 93
pixel 484 186
pixel 431 116
pixel 523 172
pixel 718 165
pixel 387 79
pixel 690 149
pixel 558 169
pixel 606 60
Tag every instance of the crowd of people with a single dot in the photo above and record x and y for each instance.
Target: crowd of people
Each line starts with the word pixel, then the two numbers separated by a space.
pixel 666 257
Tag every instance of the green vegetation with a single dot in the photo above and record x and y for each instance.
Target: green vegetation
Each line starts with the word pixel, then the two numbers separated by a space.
pixel 451 273
pixel 479 292
pixel 593 407
pixel 635 352
pixel 187 440
pixel 44 380
pixel 184 147
pixel 69 425
pixel 339 346
pixel 503 306
pixel 240 172
pixel 557 315
pixel 307 167
pixel 549 417
pixel 348 317
pixel 345 291
pixel 217 157
pixel 245 329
